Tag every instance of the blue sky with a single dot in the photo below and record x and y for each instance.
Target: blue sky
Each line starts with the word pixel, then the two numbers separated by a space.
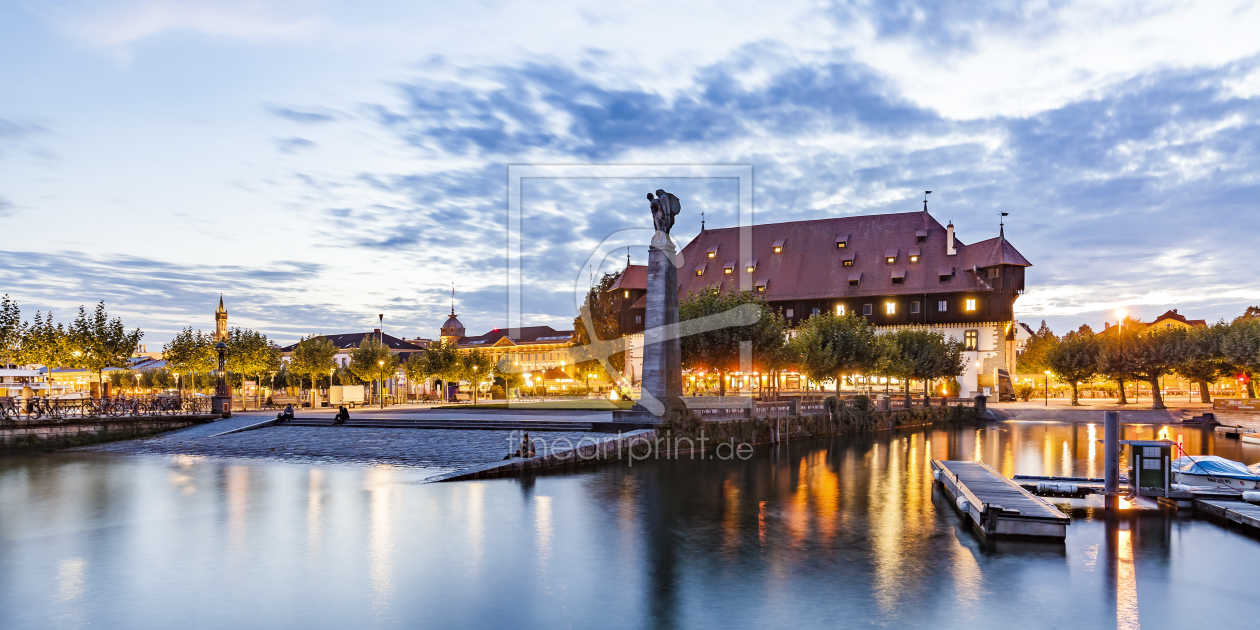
pixel 322 162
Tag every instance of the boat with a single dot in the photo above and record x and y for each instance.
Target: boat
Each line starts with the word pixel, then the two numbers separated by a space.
pixel 1212 471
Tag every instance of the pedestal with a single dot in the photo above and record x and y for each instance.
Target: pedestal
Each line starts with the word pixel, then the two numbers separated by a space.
pixel 661 399
pixel 221 405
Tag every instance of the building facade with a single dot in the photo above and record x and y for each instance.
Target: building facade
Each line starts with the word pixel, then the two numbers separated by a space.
pixel 895 270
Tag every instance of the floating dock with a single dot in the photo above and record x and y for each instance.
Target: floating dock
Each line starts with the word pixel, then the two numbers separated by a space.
pixel 1236 511
pixel 997 505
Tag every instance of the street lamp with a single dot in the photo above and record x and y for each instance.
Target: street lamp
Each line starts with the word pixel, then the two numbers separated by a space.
pixel 382 381
pixel 1047 388
pixel 476 384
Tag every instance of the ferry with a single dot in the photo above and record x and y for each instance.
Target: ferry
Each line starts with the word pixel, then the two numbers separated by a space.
pixel 1211 471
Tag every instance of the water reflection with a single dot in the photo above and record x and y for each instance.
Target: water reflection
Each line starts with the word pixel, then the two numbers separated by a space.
pixel 844 532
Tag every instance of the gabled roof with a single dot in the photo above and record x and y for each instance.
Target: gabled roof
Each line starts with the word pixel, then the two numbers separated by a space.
pixel 1174 315
pixel 352 340
pixel 528 335
pixel 632 277
pixel 810 265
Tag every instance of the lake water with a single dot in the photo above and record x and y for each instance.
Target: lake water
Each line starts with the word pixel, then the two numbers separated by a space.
pixel 847 532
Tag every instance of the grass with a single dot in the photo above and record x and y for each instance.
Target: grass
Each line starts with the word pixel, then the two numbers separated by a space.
pixel 593 404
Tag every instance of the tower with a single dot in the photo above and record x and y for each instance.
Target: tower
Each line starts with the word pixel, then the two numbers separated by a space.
pixel 452 331
pixel 220 322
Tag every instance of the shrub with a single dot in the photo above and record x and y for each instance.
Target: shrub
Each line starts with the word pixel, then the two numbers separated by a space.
pixel 496 391
pixel 1025 391
pixel 862 403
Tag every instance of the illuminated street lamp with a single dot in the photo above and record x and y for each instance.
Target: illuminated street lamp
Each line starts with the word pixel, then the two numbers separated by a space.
pixel 476 384
pixel 1048 388
pixel 381 380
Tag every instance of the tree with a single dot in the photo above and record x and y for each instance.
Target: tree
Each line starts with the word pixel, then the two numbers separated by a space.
pixel 599 312
pixel 250 353
pixel 1033 358
pixel 102 342
pixel 719 349
pixel 1240 346
pixel 313 358
pixel 474 366
pixel 1155 352
pixel 47 344
pixel 190 353
pixel 10 330
pixel 372 360
pixel 1113 361
pixel 1199 359
pixel 442 360
pixel 924 355
pixel 830 346
pixel 1074 359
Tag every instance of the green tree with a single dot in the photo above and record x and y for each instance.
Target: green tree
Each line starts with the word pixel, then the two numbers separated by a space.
pixel 191 353
pixel 1155 353
pixel 1074 359
pixel 442 361
pixel 474 367
pixel 1033 358
pixel 925 355
pixel 250 353
pixel 101 341
pixel 506 377
pixel 372 361
pixel 1240 346
pixel 718 350
pixel 46 343
pixel 313 358
pixel 10 330
pixel 1200 358
pixel 1113 362
pixel 598 313
pixel 830 346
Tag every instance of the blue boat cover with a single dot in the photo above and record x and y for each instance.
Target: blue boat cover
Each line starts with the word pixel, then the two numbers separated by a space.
pixel 1215 466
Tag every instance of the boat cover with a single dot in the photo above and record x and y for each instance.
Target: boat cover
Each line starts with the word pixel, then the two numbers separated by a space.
pixel 1215 466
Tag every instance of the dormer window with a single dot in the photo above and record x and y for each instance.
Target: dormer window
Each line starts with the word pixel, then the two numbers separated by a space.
pixel 945 273
pixel 855 278
pixel 700 270
pixel 778 246
pixel 915 252
pixel 847 259
pixel 712 252
pixel 760 286
pixel 890 256
pixel 920 236
pixel 842 241
pixel 899 277
pixel 752 266
pixel 729 267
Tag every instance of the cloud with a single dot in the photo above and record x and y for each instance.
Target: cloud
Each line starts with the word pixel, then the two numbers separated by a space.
pixel 309 116
pixel 6 207
pixel 293 145
pixel 118 24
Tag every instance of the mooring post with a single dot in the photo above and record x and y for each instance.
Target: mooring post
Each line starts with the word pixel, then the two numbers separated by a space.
pixel 1111 458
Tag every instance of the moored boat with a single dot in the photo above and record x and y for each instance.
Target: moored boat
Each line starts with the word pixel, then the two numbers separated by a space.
pixel 1212 471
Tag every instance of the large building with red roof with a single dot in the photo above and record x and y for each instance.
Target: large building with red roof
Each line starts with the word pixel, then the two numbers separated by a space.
pixel 895 270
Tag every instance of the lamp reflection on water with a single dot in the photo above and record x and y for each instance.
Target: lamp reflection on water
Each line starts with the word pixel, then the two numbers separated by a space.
pixel 381 487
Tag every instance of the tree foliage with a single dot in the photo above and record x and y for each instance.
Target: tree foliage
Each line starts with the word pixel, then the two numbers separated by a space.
pixel 313 358
pixel 924 355
pixel 46 343
pixel 718 350
pixel 1073 359
pixel 1033 358
pixel 372 360
pixel 10 329
pixel 830 346
pixel 190 352
pixel 599 312
pixel 1200 360
pixel 102 342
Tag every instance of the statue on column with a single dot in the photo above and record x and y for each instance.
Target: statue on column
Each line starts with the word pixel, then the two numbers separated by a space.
pixel 665 206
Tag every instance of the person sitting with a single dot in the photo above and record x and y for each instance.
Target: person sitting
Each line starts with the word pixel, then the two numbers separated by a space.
pixel 527 446
pixel 342 416
pixel 286 415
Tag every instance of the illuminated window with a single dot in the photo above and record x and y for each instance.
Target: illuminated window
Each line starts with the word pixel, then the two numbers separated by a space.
pixel 842 241
pixel 848 262
pixel 914 259
pixel 778 246
pixel 839 309
pixel 890 308
pixel 712 252
pixel 915 252
pixel 729 267
pixel 627 294
pixel 752 266
pixel 891 259
pixel 971 305
pixel 727 271
pixel 971 340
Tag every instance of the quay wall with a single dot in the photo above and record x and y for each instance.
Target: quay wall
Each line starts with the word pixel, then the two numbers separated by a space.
pixel 18 436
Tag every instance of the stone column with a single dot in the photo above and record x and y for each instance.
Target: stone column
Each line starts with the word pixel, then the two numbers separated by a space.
pixel 221 402
pixel 662 354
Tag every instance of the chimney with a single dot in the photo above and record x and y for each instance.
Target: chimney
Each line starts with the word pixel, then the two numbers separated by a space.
pixel 949 240
pixel 376 331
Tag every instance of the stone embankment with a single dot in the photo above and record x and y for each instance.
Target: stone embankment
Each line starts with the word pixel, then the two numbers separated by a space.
pixel 21 435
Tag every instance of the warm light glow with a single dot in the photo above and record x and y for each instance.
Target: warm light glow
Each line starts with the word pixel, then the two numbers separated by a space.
pixel 1120 314
pixel 839 309
pixel 891 260
pixel 727 271
pixel 971 305
pixel 712 254
pixel 778 250
pixel 627 294
pixel 751 268
pixel 891 308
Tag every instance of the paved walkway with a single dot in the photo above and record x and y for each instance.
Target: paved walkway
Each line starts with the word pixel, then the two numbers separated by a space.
pixel 437 450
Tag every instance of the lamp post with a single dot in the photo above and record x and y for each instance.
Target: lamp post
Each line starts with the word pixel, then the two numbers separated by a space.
pixel 221 403
pixel 1047 388
pixel 381 380
pixel 476 384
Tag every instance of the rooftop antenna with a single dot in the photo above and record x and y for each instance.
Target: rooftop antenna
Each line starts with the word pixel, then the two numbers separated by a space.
pixel 925 194
pixel 1002 226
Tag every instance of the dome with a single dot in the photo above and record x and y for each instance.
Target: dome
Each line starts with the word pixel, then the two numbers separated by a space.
pixel 452 327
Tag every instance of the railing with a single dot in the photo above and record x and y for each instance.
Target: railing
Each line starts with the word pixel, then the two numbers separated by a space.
pixel 12 409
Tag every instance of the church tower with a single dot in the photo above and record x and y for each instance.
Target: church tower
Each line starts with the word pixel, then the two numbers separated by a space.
pixel 220 322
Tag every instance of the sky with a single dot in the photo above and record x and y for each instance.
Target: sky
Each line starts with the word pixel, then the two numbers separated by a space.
pixel 320 163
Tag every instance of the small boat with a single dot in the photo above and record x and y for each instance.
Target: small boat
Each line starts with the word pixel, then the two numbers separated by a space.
pixel 1211 471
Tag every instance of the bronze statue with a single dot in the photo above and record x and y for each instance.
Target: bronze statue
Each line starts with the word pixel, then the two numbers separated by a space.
pixel 664 208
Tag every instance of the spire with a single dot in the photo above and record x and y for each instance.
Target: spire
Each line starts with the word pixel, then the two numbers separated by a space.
pixel 452 299
pixel 925 194
pixel 627 257
pixel 221 309
pixel 1002 226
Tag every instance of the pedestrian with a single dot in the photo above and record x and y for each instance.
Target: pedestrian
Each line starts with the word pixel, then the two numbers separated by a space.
pixel 342 416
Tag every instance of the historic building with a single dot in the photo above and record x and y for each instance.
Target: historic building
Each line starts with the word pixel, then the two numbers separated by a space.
pixel 895 270
pixel 220 322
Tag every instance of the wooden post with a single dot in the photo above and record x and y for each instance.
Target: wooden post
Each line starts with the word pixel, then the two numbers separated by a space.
pixel 1111 458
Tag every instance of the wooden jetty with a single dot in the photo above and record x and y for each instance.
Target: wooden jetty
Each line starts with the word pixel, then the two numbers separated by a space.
pixel 997 505
pixel 1236 511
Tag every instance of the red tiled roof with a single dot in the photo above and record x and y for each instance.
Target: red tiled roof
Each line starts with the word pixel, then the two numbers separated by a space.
pixel 1173 314
pixel 632 277
pixel 810 265
pixel 529 335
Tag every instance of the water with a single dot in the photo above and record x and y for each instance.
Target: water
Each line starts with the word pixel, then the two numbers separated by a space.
pixel 826 533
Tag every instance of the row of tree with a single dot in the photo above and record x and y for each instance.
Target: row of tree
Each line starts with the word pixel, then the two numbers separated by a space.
pixel 93 341
pixel 1134 352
